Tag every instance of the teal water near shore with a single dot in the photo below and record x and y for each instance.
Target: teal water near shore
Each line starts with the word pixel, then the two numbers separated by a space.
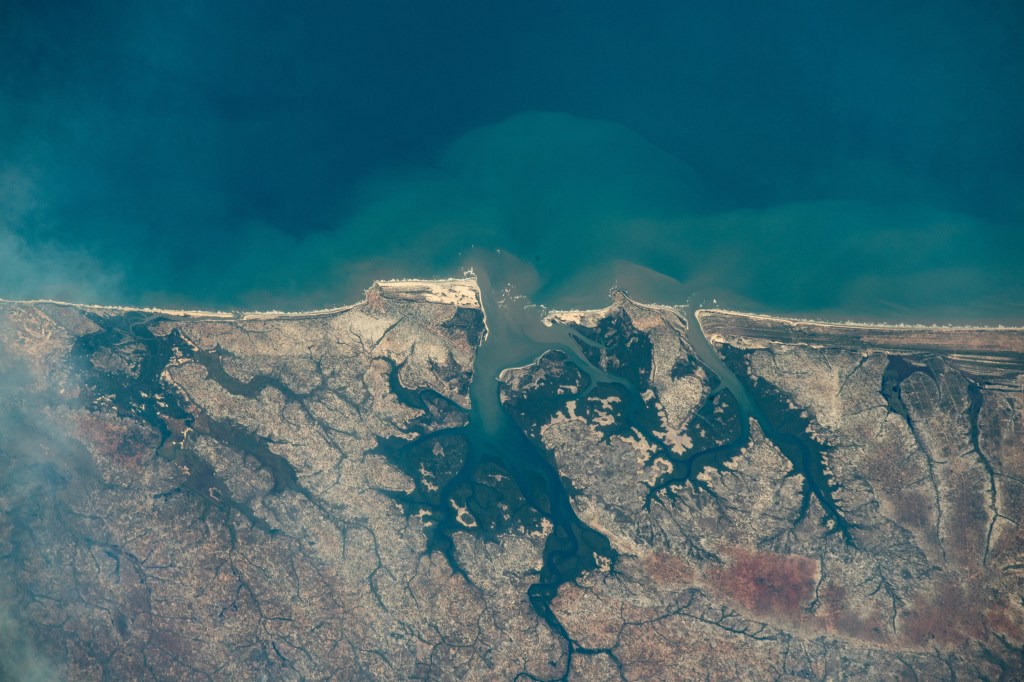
pixel 793 158
pixel 817 160
pixel 517 336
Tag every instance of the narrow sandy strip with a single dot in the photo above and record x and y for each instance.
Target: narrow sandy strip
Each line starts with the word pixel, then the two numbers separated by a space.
pixel 580 317
pixel 719 326
pixel 797 321
pixel 462 292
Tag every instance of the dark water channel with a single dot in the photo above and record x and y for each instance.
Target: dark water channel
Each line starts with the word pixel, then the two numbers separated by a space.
pixel 517 337
pixel 488 465
pixel 784 426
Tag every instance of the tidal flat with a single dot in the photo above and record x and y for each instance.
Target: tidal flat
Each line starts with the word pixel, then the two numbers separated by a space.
pixel 447 480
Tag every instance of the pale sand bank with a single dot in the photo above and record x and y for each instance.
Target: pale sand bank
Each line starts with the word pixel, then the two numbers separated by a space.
pixel 993 355
pixel 717 324
pixel 462 292
pixel 589 318
pixel 797 321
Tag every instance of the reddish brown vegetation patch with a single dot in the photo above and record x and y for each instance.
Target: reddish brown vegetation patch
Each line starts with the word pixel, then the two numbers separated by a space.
pixel 1006 620
pixel 112 437
pixel 595 623
pixel 766 582
pixel 913 510
pixel 834 609
pixel 668 570
pixel 957 611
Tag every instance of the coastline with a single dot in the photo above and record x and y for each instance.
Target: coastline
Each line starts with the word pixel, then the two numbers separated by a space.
pixel 795 321
pixel 576 315
pixel 429 290
pixel 465 291
pixel 992 354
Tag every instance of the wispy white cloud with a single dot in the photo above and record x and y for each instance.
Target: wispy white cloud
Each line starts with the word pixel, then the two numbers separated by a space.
pixel 33 265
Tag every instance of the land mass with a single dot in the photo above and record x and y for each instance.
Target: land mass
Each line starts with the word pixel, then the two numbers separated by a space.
pixel 676 496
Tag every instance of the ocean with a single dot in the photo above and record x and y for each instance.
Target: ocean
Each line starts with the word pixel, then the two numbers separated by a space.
pixel 861 162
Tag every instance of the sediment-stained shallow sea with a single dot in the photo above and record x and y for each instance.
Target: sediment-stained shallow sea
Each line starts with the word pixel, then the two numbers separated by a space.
pixel 824 162
pixel 814 161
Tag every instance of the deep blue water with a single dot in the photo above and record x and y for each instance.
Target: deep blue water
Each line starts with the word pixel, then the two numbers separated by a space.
pixel 864 160
pixel 859 161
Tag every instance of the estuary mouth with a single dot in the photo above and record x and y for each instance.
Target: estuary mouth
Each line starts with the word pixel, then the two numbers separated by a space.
pixel 511 341
pixel 452 455
pixel 573 363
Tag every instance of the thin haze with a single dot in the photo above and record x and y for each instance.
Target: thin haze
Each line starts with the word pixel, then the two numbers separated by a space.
pixel 860 161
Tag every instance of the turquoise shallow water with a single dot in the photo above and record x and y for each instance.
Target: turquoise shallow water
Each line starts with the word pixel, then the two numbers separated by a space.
pixel 861 162
pixel 841 162
pixel 581 205
pixel 517 336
